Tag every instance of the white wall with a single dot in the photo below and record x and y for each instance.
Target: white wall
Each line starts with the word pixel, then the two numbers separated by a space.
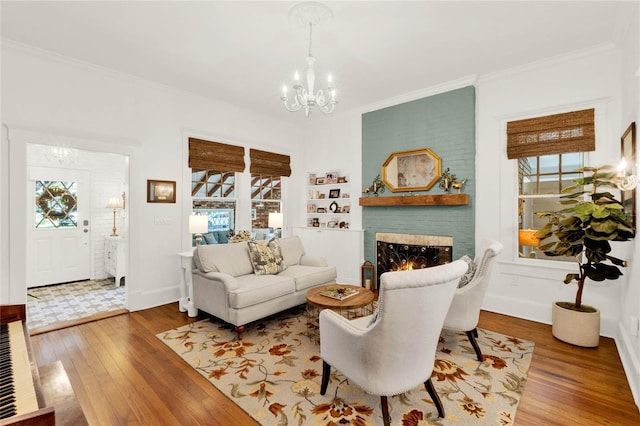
pixel 94 109
pixel 524 287
pixel 628 337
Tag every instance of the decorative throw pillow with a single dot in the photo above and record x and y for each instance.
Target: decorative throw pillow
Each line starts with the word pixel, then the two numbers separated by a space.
pixel 264 260
pixel 471 271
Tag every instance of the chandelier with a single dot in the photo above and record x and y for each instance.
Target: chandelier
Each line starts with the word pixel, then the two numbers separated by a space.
pixel 310 13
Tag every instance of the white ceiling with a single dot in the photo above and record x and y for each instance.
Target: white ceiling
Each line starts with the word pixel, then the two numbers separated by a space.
pixel 243 52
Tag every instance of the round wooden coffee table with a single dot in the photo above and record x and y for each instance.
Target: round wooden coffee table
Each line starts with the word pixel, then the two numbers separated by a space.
pixel 355 306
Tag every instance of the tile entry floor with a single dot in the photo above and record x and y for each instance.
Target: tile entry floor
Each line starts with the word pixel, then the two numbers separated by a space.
pixel 72 301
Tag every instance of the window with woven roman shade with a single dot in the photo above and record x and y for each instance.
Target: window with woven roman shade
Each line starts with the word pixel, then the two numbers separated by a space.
pixel 269 163
pixel 267 169
pixel 552 134
pixel 208 155
pixel 213 174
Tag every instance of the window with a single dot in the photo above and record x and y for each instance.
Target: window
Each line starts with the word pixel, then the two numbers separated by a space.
pixel 549 150
pixel 214 194
pixel 56 205
pixel 541 181
pixel 266 194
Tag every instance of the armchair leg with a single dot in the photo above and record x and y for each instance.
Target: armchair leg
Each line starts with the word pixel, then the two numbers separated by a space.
pixel 326 372
pixel 472 334
pixel 434 397
pixel 386 418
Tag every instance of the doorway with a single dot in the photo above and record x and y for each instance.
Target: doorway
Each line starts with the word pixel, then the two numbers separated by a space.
pixel 67 225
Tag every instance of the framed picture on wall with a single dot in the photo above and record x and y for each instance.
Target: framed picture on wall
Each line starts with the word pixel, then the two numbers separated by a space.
pixel 628 154
pixel 161 191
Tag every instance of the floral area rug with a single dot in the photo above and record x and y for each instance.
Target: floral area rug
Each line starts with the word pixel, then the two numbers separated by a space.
pixel 274 374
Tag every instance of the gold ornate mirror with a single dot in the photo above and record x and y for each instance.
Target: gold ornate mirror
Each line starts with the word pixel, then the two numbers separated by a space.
pixel 416 170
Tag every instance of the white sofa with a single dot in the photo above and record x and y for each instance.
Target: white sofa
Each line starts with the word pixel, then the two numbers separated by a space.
pixel 225 285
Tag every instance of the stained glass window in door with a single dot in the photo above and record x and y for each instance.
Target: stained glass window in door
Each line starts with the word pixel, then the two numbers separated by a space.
pixel 56 204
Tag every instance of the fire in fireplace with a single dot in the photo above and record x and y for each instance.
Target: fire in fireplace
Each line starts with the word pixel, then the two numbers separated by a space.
pixel 396 252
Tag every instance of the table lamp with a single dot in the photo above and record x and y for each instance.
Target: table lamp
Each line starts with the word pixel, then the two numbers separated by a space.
pixel 275 222
pixel 114 203
pixel 527 238
pixel 198 225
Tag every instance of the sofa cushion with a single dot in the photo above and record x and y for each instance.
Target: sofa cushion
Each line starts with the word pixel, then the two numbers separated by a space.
pixel 253 290
pixel 221 236
pixel 309 276
pixel 266 258
pixel 232 259
pixel 292 250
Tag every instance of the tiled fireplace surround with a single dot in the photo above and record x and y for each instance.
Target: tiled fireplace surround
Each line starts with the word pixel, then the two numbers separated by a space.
pixel 409 251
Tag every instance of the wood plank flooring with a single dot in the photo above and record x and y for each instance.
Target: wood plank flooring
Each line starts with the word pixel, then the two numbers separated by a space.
pixel 123 375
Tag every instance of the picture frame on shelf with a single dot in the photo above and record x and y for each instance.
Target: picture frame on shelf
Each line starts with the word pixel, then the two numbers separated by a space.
pixel 315 222
pixel 334 207
pixel 331 177
pixel 334 193
pixel 343 225
pixel 161 191
pixel 320 181
pixel 346 209
pixel 321 196
pixel 332 224
pixel 344 195
pixel 312 179
pixel 342 179
pixel 321 210
pixel 311 208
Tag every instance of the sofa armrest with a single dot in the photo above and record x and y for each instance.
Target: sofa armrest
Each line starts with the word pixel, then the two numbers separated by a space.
pixel 313 261
pixel 228 281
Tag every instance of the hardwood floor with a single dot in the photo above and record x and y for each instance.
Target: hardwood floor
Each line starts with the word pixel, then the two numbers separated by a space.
pixel 123 374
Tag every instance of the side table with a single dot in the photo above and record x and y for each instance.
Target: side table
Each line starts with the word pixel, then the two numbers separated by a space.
pixel 185 303
pixel 355 306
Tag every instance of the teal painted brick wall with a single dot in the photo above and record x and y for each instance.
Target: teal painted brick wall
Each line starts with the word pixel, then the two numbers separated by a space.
pixel 445 123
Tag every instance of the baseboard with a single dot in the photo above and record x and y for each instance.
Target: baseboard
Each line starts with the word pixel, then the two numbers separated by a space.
pixel 630 362
pixel 538 312
pixel 139 300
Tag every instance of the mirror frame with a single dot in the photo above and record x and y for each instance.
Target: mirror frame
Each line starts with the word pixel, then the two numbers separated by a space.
pixel 399 163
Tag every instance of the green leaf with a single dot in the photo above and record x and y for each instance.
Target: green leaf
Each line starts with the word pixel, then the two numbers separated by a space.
pixel 605 226
pixel 571 277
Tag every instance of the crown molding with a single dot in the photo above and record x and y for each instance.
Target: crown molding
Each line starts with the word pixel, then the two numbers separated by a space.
pixel 553 60
pixel 419 94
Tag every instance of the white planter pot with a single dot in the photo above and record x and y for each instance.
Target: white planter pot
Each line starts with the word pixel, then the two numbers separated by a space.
pixel 574 327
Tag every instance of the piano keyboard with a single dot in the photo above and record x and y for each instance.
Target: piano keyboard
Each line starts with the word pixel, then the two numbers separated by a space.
pixel 17 392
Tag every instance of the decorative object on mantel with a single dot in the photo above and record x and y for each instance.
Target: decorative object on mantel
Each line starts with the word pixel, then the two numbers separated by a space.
pixel 377 186
pixel 582 230
pixel 310 14
pixel 415 170
pixel 446 180
pixel 458 185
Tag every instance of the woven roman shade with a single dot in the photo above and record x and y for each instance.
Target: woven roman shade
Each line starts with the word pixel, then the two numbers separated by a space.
pixel 269 164
pixel 551 134
pixel 207 155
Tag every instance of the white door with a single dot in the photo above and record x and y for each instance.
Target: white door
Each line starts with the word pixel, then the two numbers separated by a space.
pixel 58 235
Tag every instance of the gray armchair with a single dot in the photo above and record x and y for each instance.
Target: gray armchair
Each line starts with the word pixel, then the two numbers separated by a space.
pixel 393 350
pixel 464 311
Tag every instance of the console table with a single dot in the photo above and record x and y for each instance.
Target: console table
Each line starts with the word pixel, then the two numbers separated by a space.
pixel 115 257
pixel 185 303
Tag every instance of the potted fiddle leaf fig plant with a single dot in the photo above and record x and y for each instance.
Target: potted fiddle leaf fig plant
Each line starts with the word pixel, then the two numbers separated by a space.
pixel 583 230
